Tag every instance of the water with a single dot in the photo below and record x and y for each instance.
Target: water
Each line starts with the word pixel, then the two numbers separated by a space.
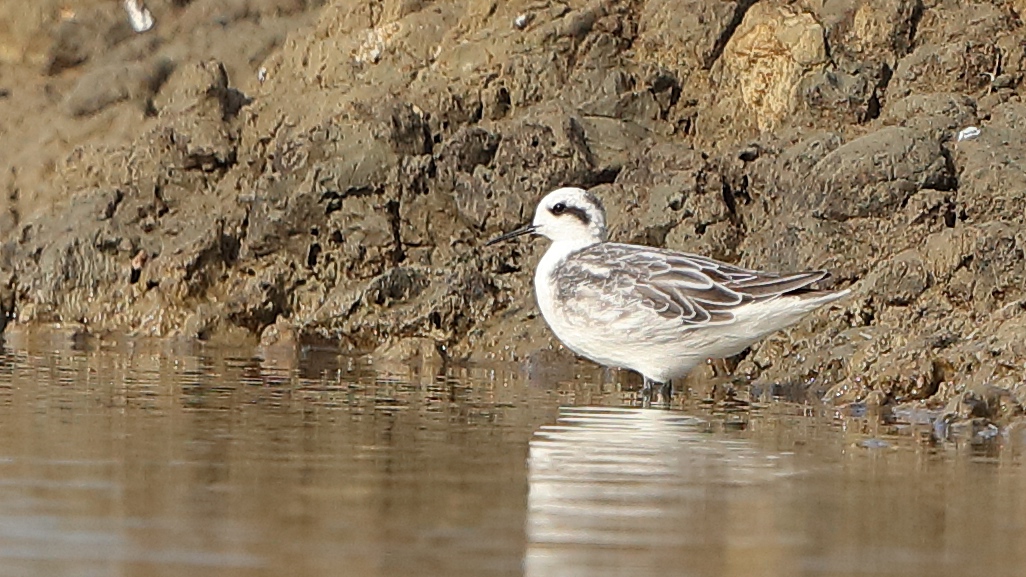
pixel 126 458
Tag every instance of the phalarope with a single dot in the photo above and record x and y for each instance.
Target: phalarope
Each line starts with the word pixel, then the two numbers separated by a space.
pixel 655 311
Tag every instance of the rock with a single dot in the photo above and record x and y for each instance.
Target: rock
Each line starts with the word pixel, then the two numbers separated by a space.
pixel 260 301
pixel 875 174
pixel 686 37
pixel 773 49
pixel 966 65
pixel 406 302
pixel 902 374
pixel 844 96
pixel 942 115
pixel 469 148
pixel 672 195
pixel 963 20
pixel 998 266
pixel 968 405
pixel 992 404
pixel 992 183
pixel 198 107
pixel 532 156
pixel 611 143
pixel 873 30
pixel 901 279
pixel 947 251
pixel 27 36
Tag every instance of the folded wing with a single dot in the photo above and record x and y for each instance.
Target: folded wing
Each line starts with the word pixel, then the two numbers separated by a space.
pixel 631 285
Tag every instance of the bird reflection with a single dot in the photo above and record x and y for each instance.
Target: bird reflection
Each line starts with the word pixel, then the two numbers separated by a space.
pixel 615 489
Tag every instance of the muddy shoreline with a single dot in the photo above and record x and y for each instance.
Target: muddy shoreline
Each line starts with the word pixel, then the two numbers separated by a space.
pixel 289 171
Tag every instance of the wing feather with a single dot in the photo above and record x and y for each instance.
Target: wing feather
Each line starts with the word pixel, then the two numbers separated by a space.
pixel 616 281
pixel 782 284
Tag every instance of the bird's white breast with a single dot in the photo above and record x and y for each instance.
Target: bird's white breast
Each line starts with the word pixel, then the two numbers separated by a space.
pixel 544 281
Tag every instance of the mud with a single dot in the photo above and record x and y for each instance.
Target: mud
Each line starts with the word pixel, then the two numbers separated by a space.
pixel 329 170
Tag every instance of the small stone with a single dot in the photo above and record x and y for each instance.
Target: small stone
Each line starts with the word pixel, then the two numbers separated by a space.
pixel 873 444
pixel 749 154
pixel 988 432
pixel 139 15
pixel 968 133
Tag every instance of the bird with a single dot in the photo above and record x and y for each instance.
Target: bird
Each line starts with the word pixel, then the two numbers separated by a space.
pixel 652 310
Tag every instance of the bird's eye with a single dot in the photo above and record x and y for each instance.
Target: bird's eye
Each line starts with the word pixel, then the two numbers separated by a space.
pixel 558 208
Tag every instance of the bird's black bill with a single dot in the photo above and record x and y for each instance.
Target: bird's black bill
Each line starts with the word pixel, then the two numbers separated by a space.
pixel 512 234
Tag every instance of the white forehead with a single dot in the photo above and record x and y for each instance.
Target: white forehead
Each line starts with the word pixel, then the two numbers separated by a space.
pixel 571 196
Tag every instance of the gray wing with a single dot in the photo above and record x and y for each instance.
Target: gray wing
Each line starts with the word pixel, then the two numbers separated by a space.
pixel 611 281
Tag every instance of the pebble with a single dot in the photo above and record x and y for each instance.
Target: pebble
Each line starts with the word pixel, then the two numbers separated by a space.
pixel 139 15
pixel 988 432
pixel 968 133
pixel 873 444
pixel 521 21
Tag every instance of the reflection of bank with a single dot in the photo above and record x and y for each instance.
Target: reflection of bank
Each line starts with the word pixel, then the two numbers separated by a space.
pixel 646 492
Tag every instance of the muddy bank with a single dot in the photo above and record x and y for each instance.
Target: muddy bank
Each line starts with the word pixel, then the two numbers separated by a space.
pixel 328 171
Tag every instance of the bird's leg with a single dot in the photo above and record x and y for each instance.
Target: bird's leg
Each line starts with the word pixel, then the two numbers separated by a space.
pixel 667 392
pixel 652 387
pixel 646 392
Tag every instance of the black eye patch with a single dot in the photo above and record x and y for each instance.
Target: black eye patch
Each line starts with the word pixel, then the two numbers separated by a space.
pixel 580 214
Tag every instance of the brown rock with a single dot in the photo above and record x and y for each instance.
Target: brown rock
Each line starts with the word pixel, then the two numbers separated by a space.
pixel 767 57
pixel 900 279
pixel 873 175
pixel 685 37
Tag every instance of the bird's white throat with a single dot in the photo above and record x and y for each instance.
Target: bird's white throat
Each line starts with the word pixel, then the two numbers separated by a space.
pixel 544 287
pixel 557 253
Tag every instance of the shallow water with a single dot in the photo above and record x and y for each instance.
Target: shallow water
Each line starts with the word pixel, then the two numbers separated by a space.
pixel 126 458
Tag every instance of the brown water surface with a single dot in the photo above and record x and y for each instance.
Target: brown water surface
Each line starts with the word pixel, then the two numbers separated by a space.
pixel 122 459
